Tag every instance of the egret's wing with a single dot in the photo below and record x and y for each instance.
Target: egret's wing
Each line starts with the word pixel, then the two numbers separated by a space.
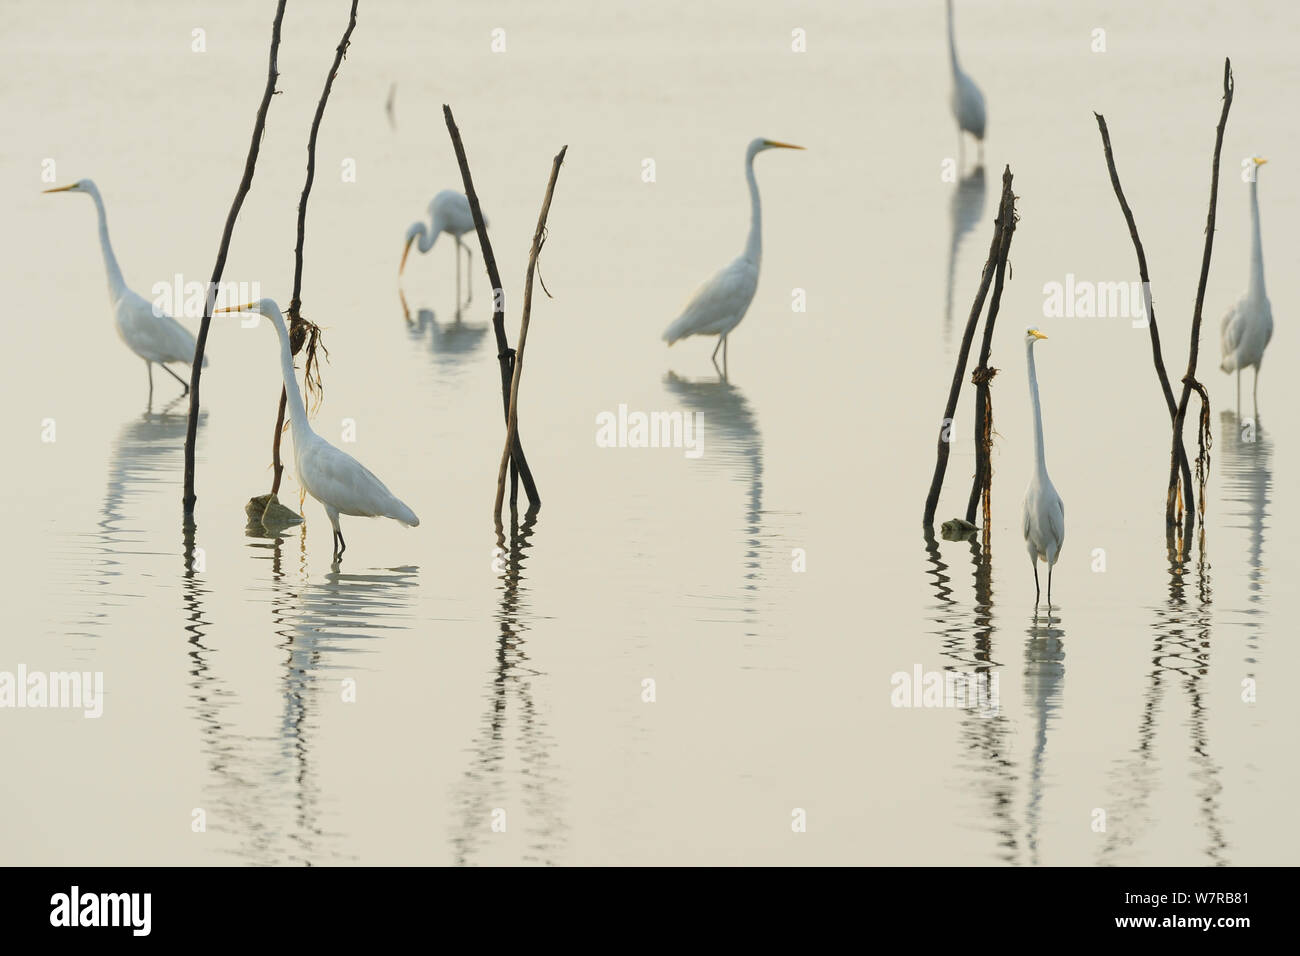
pixel 334 476
pixel 1230 329
pixel 1056 519
pixel 717 304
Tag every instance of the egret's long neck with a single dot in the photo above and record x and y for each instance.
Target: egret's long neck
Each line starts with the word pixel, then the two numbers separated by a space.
pixel 297 410
pixel 427 239
pixel 952 41
pixel 1256 245
pixel 116 284
pixel 1039 455
pixel 754 247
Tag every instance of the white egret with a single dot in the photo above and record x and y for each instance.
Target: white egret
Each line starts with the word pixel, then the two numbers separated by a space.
pixel 1044 510
pixel 450 213
pixel 967 100
pixel 152 336
pixel 1247 328
pixel 333 477
pixel 718 306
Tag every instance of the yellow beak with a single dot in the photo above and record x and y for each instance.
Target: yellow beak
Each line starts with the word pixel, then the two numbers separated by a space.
pixel 58 189
pixel 249 307
pixel 1038 335
pixel 1260 160
pixel 772 142
pixel 405 252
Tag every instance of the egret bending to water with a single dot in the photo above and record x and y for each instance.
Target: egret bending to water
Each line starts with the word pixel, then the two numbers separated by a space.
pixel 450 213
pixel 153 337
pixel 967 100
pixel 1245 331
pixel 334 478
pixel 1044 510
pixel 719 305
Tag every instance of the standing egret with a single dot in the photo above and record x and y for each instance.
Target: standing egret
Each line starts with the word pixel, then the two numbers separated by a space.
pixel 152 336
pixel 718 306
pixel 1245 331
pixel 1044 510
pixel 450 213
pixel 967 100
pixel 334 478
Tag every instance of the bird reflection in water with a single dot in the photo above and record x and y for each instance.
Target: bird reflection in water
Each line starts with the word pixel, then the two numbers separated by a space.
pixel 968 647
pixel 1180 657
pixel 450 343
pixel 263 789
pixel 965 210
pixel 1247 455
pixel 1044 682
pixel 512 717
pixel 735 448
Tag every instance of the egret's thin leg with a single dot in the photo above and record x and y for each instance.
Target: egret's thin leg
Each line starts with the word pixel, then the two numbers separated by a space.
pixel 184 384
pixel 469 271
pixel 149 368
pixel 343 545
pixel 1036 588
pixel 1255 393
pixel 724 356
pixel 1049 587
pixel 714 356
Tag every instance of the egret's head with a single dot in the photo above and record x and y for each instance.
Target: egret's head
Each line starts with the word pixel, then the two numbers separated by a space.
pixel 80 186
pixel 412 233
pixel 266 307
pixel 760 144
pixel 1032 336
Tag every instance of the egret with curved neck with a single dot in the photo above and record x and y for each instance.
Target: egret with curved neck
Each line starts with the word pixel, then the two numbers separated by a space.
pixel 449 212
pixel 1044 512
pixel 333 477
pixel 718 306
pixel 149 334
pixel 967 101
pixel 1246 329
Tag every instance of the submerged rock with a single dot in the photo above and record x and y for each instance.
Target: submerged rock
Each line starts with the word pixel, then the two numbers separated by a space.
pixel 266 512
pixel 256 506
pixel 958 529
pixel 276 516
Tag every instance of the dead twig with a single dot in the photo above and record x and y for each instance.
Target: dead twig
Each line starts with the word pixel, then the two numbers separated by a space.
pixel 250 164
pixel 539 239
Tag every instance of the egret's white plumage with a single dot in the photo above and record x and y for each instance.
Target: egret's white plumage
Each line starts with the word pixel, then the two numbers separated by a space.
pixel 449 212
pixel 1044 512
pixel 967 100
pixel 153 337
pixel 718 306
pixel 334 478
pixel 1247 327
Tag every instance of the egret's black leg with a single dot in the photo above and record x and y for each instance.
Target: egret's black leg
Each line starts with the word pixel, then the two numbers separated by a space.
pixel 1049 587
pixel 1036 588
pixel 343 545
pixel 469 273
pixel 184 384
pixel 149 368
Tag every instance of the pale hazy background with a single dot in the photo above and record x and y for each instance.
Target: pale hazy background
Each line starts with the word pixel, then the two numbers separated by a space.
pixel 223 687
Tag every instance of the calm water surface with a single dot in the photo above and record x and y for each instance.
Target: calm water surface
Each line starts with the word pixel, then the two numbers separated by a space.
pixel 390 709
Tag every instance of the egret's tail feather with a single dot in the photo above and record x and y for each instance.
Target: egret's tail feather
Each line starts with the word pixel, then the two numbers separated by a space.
pixel 676 331
pixel 404 514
